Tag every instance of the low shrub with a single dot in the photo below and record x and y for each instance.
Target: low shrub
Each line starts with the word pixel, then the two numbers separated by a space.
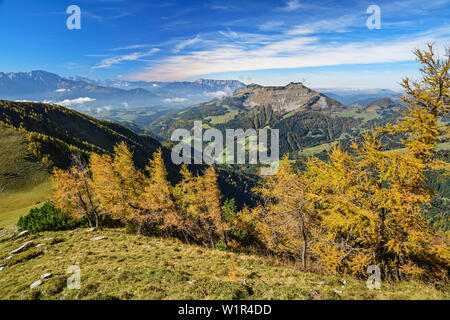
pixel 48 218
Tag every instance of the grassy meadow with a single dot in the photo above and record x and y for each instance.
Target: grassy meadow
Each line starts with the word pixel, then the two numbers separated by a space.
pixel 24 182
pixel 126 266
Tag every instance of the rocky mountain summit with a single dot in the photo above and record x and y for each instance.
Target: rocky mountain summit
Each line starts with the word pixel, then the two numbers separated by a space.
pixel 293 97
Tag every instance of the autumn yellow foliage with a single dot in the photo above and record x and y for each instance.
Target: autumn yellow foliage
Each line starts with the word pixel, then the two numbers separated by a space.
pixel 370 203
pixel 112 186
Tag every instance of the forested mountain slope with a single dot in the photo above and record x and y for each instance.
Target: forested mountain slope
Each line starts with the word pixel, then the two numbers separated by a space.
pixel 55 132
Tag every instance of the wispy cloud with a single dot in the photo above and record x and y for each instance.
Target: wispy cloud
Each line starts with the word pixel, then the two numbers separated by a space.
pixel 186 43
pixel 133 47
pixel 291 5
pixel 97 55
pixel 285 52
pixel 106 63
pixel 340 24
pixel 270 25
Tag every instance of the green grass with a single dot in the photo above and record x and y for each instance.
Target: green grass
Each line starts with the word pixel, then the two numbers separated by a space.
pixel 439 147
pixel 328 146
pixel 223 118
pixel 125 116
pixel 353 112
pixel 24 181
pixel 136 267
pixel 19 203
pixel 18 169
pixel 443 146
pixel 317 149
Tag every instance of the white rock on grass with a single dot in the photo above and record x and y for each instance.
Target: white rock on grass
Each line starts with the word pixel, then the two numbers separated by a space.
pixel 40 245
pixel 90 230
pixel 36 284
pixel 1 268
pixel 22 234
pixel 46 276
pixel 26 245
pixel 99 238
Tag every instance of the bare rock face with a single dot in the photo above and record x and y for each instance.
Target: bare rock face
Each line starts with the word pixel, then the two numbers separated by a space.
pixel 292 97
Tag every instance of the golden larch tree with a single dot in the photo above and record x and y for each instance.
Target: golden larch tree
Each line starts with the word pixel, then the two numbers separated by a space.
pixel 284 222
pixel 370 204
pixel 157 201
pixel 73 192
pixel 118 184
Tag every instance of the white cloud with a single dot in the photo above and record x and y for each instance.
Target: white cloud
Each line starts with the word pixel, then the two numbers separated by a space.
pixel 62 90
pixel 72 102
pixel 287 51
pixel 106 63
pixel 25 100
pixel 340 24
pixel 175 100
pixel 35 101
pixel 292 5
pixel 133 47
pixel 103 109
pixel 219 94
pixel 186 43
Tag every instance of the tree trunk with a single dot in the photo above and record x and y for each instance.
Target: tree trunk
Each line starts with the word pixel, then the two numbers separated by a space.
pixel 225 240
pixel 305 243
pixel 96 220
pixel 140 227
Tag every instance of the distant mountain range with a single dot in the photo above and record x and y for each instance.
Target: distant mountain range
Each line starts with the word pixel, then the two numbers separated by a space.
pixel 46 85
pixel 199 86
pixel 97 96
pixel 360 97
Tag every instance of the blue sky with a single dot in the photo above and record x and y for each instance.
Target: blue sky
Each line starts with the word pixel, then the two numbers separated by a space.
pixel 323 43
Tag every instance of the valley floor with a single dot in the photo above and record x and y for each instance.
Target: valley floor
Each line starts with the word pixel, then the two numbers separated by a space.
pixel 125 266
